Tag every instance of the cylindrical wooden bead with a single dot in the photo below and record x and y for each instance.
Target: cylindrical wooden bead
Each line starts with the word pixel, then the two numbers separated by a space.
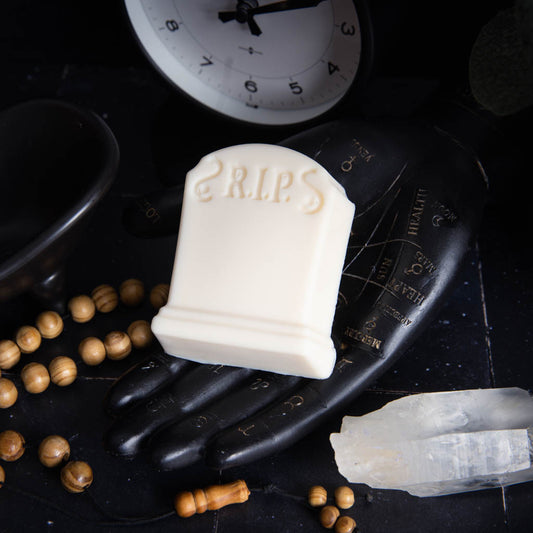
pixel 159 295
pixel 140 334
pixel 211 498
pixel 49 324
pixel 345 524
pixel 81 308
pixel 8 393
pixel 328 516
pixel 9 354
pixel 28 339
pixel 92 351
pixel 11 445
pixel 2 476
pixel 63 371
pixel 117 345
pixel 53 450
pixel 76 476
pixel 105 298
pixel 317 496
pixel 35 377
pixel 131 292
pixel 344 497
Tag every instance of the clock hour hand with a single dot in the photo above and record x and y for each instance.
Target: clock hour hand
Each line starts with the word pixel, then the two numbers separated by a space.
pixel 246 9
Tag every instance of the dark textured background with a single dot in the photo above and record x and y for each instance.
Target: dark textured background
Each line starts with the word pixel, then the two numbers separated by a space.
pixel 482 338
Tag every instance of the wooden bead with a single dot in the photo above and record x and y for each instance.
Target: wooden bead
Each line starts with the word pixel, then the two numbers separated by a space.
pixel 81 308
pixel 328 516
pixel 317 496
pixel 105 298
pixel 2 476
pixel 140 334
pixel 211 498
pixel 345 524
pixel 63 371
pixel 131 292
pixel 92 351
pixel 159 295
pixel 344 497
pixel 117 345
pixel 49 324
pixel 9 354
pixel 8 393
pixel 35 377
pixel 76 476
pixel 53 450
pixel 28 339
pixel 11 445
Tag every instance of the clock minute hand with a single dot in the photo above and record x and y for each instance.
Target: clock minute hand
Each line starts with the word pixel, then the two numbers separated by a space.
pixel 286 5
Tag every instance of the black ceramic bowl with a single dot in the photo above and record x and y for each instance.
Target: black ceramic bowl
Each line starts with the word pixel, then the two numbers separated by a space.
pixel 57 161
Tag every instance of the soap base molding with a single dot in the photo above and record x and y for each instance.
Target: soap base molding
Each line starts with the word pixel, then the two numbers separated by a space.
pixel 278 347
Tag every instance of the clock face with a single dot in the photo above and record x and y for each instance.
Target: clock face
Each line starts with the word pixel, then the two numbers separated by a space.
pixel 287 64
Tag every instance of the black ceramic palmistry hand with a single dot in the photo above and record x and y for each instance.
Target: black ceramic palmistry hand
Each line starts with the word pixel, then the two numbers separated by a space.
pixel 419 195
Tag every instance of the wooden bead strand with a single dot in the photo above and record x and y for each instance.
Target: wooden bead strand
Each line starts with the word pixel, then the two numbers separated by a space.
pixel 131 292
pixel 105 298
pixel 211 498
pixel 35 378
pixel 8 393
pixel 92 351
pixel 76 476
pixel 9 354
pixel 140 334
pixel 28 339
pixel 12 445
pixel 159 295
pixel 328 516
pixel 63 371
pixel 317 496
pixel 344 497
pixel 82 308
pixel 53 451
pixel 117 345
pixel 49 324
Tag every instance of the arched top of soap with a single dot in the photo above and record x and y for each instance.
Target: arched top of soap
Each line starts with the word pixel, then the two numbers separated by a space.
pixel 265 172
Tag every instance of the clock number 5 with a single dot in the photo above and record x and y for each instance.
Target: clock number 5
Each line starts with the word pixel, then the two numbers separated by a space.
pixel 251 86
pixel 295 88
pixel 172 25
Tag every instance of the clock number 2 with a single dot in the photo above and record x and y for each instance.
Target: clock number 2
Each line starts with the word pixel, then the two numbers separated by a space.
pixel 172 25
pixel 251 86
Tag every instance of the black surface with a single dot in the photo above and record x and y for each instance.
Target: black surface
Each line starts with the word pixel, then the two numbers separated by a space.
pixel 481 338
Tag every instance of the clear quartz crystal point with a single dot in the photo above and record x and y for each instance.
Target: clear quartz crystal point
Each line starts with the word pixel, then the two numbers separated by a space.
pixel 440 443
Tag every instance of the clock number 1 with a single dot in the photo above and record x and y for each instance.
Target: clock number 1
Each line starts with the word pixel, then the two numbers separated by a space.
pixel 251 86
pixel 172 25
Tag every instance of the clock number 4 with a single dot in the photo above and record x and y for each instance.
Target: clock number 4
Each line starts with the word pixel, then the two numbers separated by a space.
pixel 332 68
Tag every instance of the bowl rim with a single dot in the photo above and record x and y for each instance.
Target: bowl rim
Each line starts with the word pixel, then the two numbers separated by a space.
pixel 85 204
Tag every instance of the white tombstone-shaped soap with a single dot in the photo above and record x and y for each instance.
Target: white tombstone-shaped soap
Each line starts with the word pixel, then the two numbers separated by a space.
pixel 261 246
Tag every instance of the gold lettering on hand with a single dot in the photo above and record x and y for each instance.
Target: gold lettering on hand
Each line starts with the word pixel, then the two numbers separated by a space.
pixel 408 292
pixel 245 431
pixel 294 401
pixel 360 336
pixel 415 216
